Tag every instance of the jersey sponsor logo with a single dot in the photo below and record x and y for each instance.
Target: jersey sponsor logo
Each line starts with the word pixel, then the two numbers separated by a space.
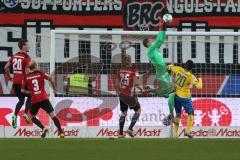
pixel 32 77
pixel 17 56
pixel 17 72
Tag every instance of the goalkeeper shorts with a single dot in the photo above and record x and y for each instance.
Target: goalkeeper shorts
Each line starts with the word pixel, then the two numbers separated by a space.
pixel 166 85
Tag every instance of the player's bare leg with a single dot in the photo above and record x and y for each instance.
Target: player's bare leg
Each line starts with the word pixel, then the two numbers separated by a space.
pixel 133 122
pixel 121 124
pixel 57 124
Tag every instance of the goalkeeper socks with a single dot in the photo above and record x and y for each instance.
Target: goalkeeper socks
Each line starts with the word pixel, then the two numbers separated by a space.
pixel 171 102
pixel 176 122
pixel 134 120
pixel 57 124
pixel 37 122
pixel 121 124
pixel 27 105
pixel 190 123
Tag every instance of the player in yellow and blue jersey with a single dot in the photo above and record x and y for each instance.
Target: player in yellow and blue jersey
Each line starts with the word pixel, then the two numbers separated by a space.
pixel 183 81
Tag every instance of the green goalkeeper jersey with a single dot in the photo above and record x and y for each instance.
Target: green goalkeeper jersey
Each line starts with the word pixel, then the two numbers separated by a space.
pixel 155 57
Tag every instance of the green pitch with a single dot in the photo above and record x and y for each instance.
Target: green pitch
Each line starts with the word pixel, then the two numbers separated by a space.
pixel 119 149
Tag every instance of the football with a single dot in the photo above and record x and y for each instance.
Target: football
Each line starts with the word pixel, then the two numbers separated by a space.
pixel 167 18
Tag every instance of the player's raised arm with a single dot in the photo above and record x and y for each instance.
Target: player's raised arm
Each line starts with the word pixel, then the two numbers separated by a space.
pixel 156 44
pixel 151 44
pixel 167 18
pixel 160 38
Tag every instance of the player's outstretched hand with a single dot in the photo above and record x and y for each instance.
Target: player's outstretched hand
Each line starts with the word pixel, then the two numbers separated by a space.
pixel 166 19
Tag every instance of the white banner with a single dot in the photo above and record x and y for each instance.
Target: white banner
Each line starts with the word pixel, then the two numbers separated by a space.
pixel 104 111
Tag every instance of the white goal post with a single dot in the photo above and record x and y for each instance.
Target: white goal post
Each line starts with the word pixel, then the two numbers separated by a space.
pixel 217 41
pixel 142 33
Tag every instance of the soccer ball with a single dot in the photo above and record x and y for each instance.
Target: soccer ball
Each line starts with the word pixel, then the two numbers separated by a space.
pixel 167 18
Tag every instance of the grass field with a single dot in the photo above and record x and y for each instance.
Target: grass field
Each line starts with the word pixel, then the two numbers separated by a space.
pixel 120 149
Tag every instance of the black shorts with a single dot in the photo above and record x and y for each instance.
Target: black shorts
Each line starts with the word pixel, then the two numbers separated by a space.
pixel 17 91
pixel 129 102
pixel 45 105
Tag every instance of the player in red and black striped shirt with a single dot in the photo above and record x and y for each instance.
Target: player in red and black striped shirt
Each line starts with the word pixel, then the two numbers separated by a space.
pixel 19 63
pixel 125 87
pixel 34 80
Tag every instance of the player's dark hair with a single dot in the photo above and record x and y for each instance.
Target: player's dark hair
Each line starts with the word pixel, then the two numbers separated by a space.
pixel 189 65
pixel 145 42
pixel 21 43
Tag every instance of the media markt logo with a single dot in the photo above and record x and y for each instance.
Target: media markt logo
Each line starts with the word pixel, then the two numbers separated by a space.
pixel 10 3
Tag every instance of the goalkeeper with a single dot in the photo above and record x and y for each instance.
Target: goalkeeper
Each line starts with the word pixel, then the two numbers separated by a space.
pixel 162 76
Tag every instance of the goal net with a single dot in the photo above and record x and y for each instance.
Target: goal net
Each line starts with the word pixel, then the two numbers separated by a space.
pixel 84 66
